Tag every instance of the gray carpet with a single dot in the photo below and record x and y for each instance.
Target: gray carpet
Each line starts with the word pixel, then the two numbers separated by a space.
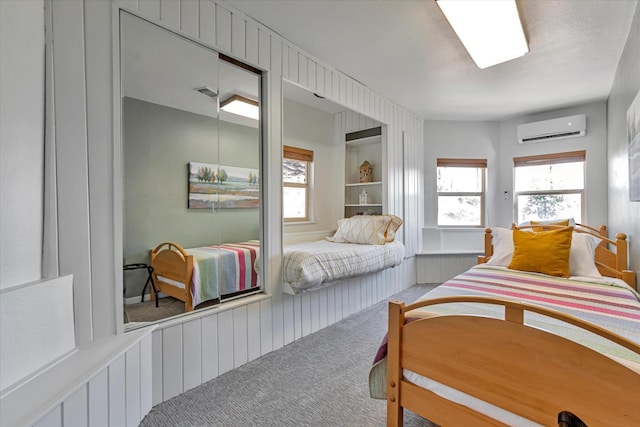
pixel 319 380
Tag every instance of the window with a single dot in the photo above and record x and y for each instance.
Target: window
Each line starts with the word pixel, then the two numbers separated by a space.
pixel 460 186
pixel 549 186
pixel 296 173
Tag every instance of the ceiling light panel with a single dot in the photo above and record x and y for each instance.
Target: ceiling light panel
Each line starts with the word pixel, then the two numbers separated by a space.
pixel 490 30
pixel 242 106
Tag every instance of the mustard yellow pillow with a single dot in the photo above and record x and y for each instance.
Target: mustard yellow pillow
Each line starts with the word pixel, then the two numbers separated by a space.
pixel 542 225
pixel 544 252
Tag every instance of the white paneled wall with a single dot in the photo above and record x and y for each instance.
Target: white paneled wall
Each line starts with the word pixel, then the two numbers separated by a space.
pixel 437 268
pixel 188 352
pixel 106 383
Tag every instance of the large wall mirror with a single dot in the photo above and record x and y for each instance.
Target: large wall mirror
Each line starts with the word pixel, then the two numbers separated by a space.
pixel 191 147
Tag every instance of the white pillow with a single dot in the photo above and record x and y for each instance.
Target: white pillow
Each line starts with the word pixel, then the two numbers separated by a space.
pixel 362 229
pixel 572 222
pixel 581 255
pixel 502 241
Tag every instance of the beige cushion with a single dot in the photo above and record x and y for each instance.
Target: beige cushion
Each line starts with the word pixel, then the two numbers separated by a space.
pixel 362 229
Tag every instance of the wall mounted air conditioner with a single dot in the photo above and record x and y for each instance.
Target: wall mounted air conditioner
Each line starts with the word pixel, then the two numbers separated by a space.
pixel 548 130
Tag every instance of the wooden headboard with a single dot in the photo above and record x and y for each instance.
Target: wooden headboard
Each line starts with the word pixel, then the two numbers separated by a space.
pixel 610 255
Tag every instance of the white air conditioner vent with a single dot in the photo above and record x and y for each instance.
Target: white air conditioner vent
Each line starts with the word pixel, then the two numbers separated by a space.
pixel 548 130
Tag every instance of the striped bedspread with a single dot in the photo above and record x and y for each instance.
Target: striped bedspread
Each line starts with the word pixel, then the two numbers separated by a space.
pixel 308 265
pixel 223 269
pixel 609 303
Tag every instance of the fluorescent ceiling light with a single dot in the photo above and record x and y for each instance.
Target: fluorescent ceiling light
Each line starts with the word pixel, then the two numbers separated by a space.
pixel 490 30
pixel 242 106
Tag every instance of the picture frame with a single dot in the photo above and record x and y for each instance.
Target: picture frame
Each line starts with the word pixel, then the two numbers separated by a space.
pixel 213 186
pixel 633 132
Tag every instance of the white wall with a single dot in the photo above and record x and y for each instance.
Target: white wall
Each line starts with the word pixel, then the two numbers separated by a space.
pixel 21 141
pixel 594 142
pixel 624 215
pixel 497 142
pixel 458 139
pixel 313 129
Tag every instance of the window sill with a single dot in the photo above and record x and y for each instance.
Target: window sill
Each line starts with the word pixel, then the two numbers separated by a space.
pixel 287 224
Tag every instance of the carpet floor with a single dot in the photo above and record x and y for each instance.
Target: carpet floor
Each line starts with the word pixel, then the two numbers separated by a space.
pixel 318 380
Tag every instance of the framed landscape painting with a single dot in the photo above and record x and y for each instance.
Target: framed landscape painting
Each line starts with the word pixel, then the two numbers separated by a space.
pixel 213 186
pixel 633 131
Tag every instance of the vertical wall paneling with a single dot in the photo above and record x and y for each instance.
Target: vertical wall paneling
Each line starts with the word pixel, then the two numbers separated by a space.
pixel 192 354
pixel 264 48
pixel 99 399
pixel 100 163
pixel 75 409
pixel 303 65
pixel 52 419
pixel 253 331
pixel 207 19
pixel 172 348
pixel 150 8
pixel 209 347
pixel 297 316
pixel 132 384
pixel 252 44
pixel 311 75
pixel 170 13
pixel 223 28
pixel 322 308
pixel 285 61
pixel 240 336
pixel 189 19
pixel 238 36
pixel 315 311
pixel 146 375
pixel 117 392
pixel 225 341
pixel 266 327
pixel 156 367
pixel 71 159
pixel 320 80
pixel 293 65
pixel 289 332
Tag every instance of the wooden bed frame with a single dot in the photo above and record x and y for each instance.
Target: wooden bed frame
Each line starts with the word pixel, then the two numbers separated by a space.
pixel 524 370
pixel 171 261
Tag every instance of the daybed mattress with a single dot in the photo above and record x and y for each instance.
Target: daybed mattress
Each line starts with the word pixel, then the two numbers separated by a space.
pixel 309 265
pixel 605 301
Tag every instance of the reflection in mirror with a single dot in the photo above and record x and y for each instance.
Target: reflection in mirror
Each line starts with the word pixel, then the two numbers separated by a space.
pixel 325 187
pixel 192 187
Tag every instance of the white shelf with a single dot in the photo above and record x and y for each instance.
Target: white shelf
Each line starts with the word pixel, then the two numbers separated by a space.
pixel 358 184
pixel 358 204
pixel 364 141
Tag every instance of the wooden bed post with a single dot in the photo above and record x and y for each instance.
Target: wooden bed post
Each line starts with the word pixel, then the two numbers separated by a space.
pixel 394 374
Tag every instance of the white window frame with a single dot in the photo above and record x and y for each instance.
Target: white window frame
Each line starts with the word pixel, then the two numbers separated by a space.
pixel 301 154
pixel 464 163
pixel 549 159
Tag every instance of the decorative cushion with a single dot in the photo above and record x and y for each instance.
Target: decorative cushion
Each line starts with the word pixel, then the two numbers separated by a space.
pixel 502 241
pixel 541 225
pixel 581 258
pixel 394 225
pixel 544 252
pixel 362 229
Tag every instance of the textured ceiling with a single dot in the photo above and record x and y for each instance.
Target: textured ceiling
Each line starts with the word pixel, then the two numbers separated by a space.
pixel 406 51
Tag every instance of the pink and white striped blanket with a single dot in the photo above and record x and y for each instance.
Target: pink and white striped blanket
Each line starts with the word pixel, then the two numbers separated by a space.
pixel 223 269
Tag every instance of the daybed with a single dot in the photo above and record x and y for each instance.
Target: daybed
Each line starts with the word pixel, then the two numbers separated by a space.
pixel 500 346
pixel 362 244
pixel 196 275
